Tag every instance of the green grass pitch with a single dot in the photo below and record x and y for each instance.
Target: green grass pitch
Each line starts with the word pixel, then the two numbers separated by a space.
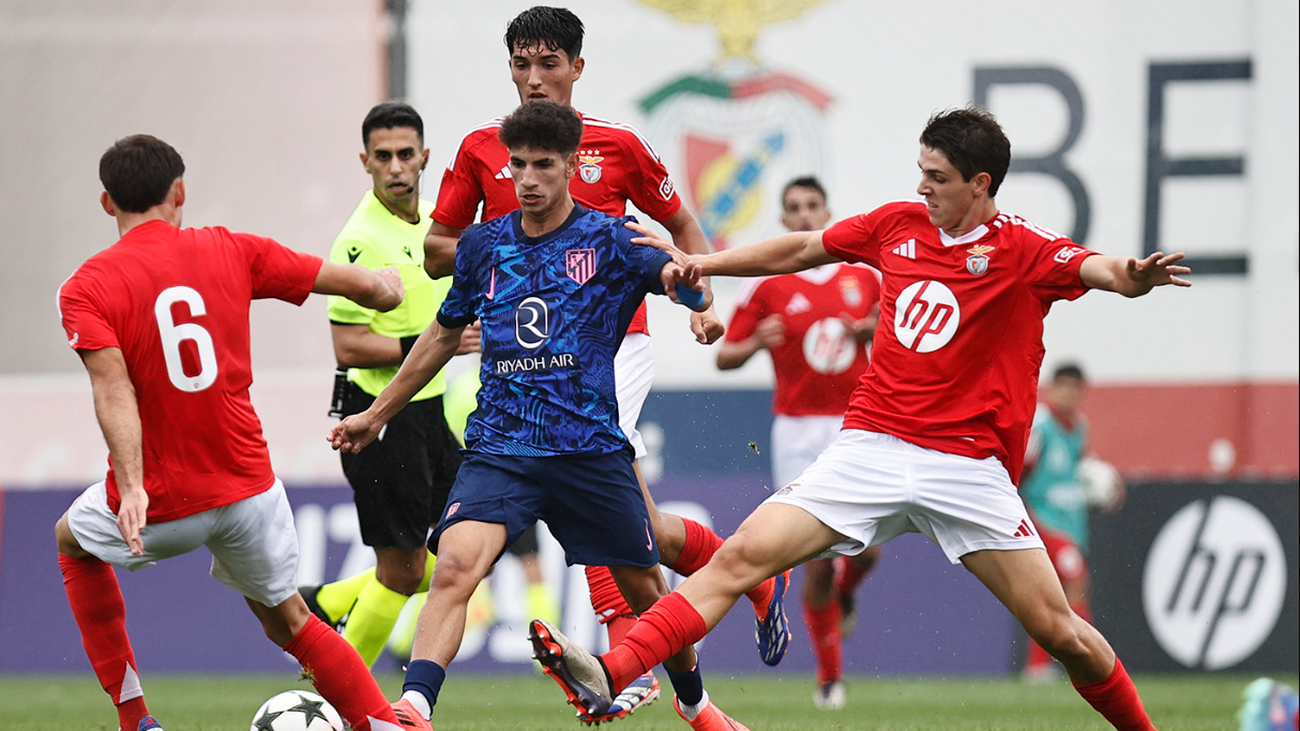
pixel 763 702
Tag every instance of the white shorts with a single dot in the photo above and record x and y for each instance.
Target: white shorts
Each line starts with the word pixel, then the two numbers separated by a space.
pixel 634 373
pixel 253 543
pixel 872 487
pixel 797 441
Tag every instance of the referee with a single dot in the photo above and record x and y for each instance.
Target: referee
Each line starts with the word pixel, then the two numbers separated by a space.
pixel 400 484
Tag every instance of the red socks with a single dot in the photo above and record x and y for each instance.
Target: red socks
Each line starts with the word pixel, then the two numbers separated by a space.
pixel 824 633
pixel 701 544
pixel 1116 698
pixel 608 604
pixel 670 625
pixel 96 602
pixel 340 674
pixel 848 574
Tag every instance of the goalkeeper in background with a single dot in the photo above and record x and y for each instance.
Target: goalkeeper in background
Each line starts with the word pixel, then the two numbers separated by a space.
pixel 1059 484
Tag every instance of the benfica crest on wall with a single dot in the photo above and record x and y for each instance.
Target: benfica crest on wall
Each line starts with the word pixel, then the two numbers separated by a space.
pixel 733 135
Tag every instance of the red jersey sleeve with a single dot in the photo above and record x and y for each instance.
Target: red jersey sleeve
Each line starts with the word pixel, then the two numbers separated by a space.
pixel 649 186
pixel 277 271
pixel 857 238
pixel 83 321
pixel 1052 269
pixel 459 194
pixel 749 310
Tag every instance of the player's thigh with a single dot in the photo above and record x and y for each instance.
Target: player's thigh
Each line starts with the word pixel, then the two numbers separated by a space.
pixel 857 488
pixel 634 373
pixel 965 504
pixel 595 510
pixel 492 488
pixel 1025 582
pixel 255 547
pixel 797 441
pixel 94 526
pixel 1068 560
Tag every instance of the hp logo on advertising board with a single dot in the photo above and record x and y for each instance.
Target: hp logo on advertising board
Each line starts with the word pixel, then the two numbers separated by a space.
pixel 1214 583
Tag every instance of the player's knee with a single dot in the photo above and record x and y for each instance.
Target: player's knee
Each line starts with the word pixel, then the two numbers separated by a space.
pixel 65 542
pixel 1063 636
pixel 455 574
pixel 739 564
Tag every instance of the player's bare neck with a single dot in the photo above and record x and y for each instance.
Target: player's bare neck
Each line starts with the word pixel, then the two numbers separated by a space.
pixel 980 213
pixel 127 220
pixel 541 223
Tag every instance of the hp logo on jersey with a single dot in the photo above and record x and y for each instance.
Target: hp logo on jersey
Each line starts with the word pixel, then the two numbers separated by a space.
pixel 926 316
pixel 532 323
pixel 1214 583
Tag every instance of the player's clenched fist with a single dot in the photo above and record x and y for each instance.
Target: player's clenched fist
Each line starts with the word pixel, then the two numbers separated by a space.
pixel 355 432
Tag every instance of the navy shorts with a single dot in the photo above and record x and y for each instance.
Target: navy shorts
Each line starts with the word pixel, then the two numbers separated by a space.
pixel 592 504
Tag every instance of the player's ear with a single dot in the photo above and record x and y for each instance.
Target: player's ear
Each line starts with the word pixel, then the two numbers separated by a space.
pixel 578 64
pixel 178 193
pixel 982 182
pixel 425 161
pixel 106 202
pixel 365 161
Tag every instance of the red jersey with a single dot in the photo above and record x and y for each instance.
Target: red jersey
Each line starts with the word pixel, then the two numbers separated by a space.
pixel 615 165
pixel 176 301
pixel 956 357
pixel 818 364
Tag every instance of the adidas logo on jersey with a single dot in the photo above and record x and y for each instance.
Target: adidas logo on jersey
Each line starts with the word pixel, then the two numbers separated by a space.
pixel 504 174
pixel 907 250
pixel 798 303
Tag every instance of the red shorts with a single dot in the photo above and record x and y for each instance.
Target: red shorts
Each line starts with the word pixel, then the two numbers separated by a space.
pixel 1066 557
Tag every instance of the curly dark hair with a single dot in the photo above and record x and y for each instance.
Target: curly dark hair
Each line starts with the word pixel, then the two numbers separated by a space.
pixel 542 125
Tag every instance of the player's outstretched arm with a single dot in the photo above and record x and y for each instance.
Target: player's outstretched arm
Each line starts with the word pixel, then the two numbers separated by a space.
pixel 440 250
pixel 791 252
pixel 1133 278
pixel 689 237
pixel 431 351
pixel 118 413
pixel 380 289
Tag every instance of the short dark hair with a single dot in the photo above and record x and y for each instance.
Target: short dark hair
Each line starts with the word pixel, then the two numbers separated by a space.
pixel 542 125
pixel 973 142
pixel 803 181
pixel 1068 370
pixel 556 28
pixel 138 172
pixel 387 115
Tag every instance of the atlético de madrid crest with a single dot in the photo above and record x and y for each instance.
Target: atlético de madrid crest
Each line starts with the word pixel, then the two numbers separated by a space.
pixel 978 261
pixel 580 264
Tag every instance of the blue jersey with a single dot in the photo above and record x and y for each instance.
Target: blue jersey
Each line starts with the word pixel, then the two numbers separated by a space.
pixel 553 311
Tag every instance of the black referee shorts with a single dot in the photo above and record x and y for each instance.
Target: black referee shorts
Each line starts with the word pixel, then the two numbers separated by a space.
pixel 401 480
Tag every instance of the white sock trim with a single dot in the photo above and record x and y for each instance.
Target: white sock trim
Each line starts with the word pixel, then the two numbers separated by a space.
pixel 421 703
pixel 692 711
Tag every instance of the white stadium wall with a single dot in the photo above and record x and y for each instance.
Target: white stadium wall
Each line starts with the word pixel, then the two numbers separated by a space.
pixel 1134 126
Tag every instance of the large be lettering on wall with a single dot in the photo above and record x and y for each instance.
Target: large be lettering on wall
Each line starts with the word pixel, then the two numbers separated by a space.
pixel 1161 165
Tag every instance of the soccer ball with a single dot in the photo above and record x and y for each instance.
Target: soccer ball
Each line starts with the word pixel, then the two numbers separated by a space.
pixel 296 710
pixel 1100 481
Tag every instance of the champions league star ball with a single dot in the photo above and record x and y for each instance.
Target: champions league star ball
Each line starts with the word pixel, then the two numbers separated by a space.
pixel 296 710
